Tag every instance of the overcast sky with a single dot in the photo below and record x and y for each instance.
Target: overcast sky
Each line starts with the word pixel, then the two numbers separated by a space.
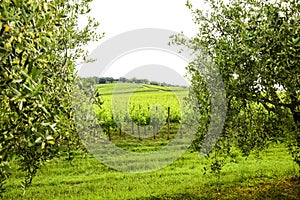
pixel 118 16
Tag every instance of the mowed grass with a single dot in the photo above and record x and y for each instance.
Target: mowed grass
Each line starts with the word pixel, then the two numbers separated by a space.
pixel 266 177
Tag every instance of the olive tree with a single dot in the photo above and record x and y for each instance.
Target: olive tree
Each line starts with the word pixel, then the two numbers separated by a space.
pixel 255 46
pixel 40 43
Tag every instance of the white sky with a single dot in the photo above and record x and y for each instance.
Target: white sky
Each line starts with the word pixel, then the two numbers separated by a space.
pixel 118 16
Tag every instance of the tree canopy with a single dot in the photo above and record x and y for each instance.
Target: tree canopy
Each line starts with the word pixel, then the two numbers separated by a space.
pixel 40 43
pixel 255 45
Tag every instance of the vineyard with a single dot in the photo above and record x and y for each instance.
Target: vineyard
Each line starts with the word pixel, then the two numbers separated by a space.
pixel 134 108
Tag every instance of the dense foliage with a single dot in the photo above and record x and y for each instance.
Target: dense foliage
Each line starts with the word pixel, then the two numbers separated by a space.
pixel 40 43
pixel 255 45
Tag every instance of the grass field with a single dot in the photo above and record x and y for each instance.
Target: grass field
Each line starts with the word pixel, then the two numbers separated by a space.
pixel 267 177
pixel 270 175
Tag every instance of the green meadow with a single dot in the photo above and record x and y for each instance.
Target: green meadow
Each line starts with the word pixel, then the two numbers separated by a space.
pixel 270 176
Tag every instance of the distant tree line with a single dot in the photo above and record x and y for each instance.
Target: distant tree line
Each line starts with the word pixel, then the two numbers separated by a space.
pixel 104 80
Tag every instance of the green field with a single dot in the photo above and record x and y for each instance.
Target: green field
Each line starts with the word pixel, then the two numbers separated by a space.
pixel 141 98
pixel 272 174
pixel 266 177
